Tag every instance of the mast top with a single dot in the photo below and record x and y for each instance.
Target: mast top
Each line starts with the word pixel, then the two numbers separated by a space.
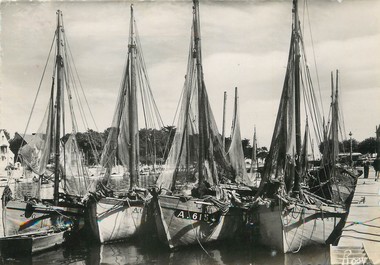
pixel 131 44
pixel 59 20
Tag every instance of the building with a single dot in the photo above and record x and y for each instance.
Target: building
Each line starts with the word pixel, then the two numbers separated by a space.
pixel 6 155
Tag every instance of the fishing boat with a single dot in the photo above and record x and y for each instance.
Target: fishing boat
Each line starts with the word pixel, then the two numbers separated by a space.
pixel 119 213
pixel 290 216
pixel 26 213
pixel 198 191
pixel 334 180
pixel 31 243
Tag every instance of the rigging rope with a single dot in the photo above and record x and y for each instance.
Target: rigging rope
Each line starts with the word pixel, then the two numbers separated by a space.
pixel 78 99
pixel 80 83
pixel 312 45
pixel 38 91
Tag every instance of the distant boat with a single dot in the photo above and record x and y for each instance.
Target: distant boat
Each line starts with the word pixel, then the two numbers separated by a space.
pixel 235 153
pixel 115 213
pixel 198 190
pixel 333 180
pixel 291 217
pixel 27 217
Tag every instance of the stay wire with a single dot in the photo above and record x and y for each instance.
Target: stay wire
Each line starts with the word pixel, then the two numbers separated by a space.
pixel 149 90
pixel 78 99
pixel 79 104
pixel 312 45
pixel 80 82
pixel 38 90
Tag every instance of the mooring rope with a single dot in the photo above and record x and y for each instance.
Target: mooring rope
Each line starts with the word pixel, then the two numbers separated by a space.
pixel 197 235
pixel 363 223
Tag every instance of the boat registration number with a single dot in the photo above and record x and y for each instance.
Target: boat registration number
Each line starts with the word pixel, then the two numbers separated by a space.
pixel 207 217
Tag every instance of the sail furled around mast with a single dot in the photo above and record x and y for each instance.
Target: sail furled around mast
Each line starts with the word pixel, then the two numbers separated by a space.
pixel 235 152
pixel 284 163
pixel 116 146
pixel 40 154
pixel 280 163
pixel 331 147
pixel 123 144
pixel 195 123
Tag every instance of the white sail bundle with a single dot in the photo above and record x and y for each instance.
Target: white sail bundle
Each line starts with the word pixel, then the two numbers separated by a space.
pixel 181 167
pixel 235 151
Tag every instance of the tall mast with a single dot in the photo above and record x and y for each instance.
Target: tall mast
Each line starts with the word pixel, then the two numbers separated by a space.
pixel 297 96
pixel 332 129
pixel 235 111
pixel 337 101
pixel 197 46
pixel 254 152
pixel 336 121
pixel 224 120
pixel 60 84
pixel 133 118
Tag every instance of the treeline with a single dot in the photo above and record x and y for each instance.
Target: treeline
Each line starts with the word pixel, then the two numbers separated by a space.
pixel 367 146
pixel 155 145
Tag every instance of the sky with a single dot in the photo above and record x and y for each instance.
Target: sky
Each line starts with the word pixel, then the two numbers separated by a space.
pixel 244 44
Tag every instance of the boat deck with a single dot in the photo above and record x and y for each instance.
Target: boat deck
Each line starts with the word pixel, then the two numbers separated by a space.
pixel 362 228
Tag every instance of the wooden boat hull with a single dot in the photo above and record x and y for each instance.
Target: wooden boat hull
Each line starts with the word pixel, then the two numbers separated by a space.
pixel 30 243
pixel 345 188
pixel 182 222
pixel 342 193
pixel 22 217
pixel 112 219
pixel 289 230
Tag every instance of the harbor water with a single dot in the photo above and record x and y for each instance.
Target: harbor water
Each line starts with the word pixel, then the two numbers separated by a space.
pixel 151 252
pixel 148 250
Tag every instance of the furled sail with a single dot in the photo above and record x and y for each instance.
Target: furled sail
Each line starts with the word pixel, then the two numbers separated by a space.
pixel 39 153
pixel 182 165
pixel 331 150
pixel 280 163
pixel 118 140
pixel 123 144
pixel 235 151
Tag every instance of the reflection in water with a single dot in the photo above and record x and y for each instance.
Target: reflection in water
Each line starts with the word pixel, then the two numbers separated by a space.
pixel 227 253
pixel 151 252
pixel 121 253
pixel 310 255
pixel 80 252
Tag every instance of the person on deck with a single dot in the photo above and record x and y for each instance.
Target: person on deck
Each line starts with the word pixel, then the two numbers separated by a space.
pixel 366 169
